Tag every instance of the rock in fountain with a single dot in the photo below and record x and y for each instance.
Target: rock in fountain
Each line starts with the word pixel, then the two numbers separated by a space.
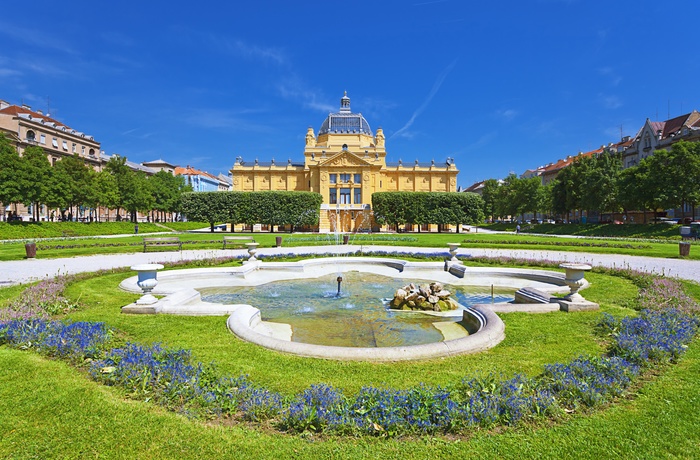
pixel 426 297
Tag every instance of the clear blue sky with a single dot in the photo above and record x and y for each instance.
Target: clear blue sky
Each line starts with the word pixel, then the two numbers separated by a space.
pixel 501 86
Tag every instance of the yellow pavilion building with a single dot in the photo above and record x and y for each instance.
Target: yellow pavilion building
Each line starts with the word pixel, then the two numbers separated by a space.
pixel 346 164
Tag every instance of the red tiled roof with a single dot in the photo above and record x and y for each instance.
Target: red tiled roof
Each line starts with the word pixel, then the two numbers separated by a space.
pixel 16 110
pixel 674 125
pixel 190 171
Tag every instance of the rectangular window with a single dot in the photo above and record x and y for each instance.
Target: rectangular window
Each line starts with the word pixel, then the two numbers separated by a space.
pixel 344 178
pixel 42 139
pixel 358 196
pixel 75 148
pixel 344 196
pixel 54 142
pixel 65 145
pixel 358 178
pixel 333 178
pixel 82 150
pixel 333 198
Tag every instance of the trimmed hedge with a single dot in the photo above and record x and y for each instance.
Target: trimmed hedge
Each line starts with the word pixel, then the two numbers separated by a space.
pixel 296 209
pixel 454 208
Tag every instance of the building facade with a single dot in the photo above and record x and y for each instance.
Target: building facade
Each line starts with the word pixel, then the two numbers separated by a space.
pixel 200 181
pixel 26 127
pixel 346 163
pixel 657 135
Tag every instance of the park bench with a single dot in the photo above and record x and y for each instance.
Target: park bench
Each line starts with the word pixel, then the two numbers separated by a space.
pixel 237 241
pixel 160 242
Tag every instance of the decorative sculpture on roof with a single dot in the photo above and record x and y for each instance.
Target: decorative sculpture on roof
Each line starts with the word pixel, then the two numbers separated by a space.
pixel 310 138
pixel 380 138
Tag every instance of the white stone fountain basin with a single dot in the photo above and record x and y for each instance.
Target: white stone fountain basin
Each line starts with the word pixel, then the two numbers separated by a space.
pixel 181 297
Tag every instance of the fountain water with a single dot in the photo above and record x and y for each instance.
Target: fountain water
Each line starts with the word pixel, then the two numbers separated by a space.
pixel 266 309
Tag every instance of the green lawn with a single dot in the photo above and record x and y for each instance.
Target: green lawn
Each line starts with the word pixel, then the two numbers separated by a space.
pixel 51 410
pixel 206 240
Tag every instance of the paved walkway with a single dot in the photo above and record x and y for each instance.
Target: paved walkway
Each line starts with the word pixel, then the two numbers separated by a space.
pixel 21 271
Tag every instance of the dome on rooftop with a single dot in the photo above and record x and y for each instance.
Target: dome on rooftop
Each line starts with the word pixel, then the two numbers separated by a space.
pixel 344 121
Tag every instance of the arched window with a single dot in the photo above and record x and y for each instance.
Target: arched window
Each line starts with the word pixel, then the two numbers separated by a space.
pixel 31 136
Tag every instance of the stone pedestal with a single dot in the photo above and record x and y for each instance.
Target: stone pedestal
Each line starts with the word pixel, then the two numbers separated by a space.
pixel 575 279
pixel 252 250
pixel 453 251
pixel 148 279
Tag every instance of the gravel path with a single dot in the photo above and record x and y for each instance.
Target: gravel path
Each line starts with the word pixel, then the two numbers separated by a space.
pixel 21 271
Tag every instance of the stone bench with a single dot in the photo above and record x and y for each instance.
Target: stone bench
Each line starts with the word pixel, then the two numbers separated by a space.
pixel 168 241
pixel 237 241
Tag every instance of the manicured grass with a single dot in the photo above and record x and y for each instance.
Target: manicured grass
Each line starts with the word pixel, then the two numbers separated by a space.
pixel 32 230
pixel 605 230
pixel 51 410
pixel 131 244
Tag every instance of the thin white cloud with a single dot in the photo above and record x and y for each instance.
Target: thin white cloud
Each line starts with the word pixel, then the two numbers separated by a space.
pixel 45 68
pixel 433 92
pixel 247 50
pixel 222 119
pixel 9 73
pixel 35 37
pixel 507 114
pixel 292 89
pixel 613 77
pixel 483 141
pixel 611 102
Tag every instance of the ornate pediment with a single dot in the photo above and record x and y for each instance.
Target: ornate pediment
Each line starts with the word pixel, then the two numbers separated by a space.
pixel 344 158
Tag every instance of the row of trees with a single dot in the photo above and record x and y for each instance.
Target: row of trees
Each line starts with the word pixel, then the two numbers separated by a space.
pixel 273 208
pixel 71 187
pixel 598 184
pixel 401 208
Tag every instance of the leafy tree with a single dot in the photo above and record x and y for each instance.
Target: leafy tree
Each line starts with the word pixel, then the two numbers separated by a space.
pixel 105 192
pixel 205 207
pixel 167 191
pixel 274 208
pixel 60 190
pixel 79 185
pixel 123 176
pixel 139 197
pixel 35 179
pixel 506 201
pixel 545 199
pixel 11 171
pixel 489 196
pixel 526 195
pixel 439 208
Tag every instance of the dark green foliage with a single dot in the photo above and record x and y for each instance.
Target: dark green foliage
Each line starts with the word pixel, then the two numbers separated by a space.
pixel 442 208
pixel 273 208
pixel 10 173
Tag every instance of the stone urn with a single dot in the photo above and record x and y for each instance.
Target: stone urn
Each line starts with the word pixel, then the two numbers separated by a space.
pixel 453 251
pixel 575 274
pixel 252 250
pixel 147 280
